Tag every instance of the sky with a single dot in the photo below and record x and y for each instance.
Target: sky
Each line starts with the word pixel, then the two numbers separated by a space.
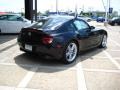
pixel 63 5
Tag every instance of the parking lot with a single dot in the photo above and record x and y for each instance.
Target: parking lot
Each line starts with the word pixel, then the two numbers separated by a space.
pixel 96 69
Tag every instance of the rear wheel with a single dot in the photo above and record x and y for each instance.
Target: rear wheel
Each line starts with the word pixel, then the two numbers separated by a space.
pixel 104 42
pixel 115 24
pixel 70 53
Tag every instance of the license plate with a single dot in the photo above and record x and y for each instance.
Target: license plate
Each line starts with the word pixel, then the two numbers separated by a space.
pixel 28 47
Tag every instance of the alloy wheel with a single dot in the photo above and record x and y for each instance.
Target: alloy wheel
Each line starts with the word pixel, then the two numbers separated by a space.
pixel 104 41
pixel 71 52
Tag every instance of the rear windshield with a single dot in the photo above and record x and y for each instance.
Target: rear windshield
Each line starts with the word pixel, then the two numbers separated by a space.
pixel 50 23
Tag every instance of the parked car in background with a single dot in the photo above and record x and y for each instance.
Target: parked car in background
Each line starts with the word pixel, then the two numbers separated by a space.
pixel 61 37
pixel 39 17
pixel 87 19
pixel 94 18
pixel 100 19
pixel 42 17
pixel 114 21
pixel 10 23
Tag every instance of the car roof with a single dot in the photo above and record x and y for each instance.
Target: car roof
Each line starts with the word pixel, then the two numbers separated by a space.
pixel 62 17
pixel 11 14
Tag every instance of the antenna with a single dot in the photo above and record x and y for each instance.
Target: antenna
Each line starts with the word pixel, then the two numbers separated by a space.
pixel 76 13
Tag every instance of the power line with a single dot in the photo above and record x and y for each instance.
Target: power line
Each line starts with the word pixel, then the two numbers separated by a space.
pixel 104 5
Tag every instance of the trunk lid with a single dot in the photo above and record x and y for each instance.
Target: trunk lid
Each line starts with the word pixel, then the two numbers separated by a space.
pixel 32 36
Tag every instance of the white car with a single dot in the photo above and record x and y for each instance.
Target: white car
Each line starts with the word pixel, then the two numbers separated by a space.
pixel 10 23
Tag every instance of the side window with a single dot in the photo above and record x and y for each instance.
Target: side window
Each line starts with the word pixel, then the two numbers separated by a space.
pixel 14 18
pixel 80 25
pixel 3 17
pixel 68 27
pixel 19 19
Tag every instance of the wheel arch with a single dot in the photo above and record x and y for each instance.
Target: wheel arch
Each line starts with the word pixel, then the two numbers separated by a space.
pixel 76 41
pixel 104 32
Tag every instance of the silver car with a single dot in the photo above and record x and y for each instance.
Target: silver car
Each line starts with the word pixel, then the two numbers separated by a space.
pixel 10 23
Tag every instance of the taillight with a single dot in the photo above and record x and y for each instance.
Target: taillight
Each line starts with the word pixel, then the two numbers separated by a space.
pixel 47 39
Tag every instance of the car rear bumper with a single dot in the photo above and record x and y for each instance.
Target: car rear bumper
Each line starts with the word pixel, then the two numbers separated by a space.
pixel 55 52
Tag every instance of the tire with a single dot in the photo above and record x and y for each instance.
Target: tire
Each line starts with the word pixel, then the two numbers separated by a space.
pixel 70 52
pixel 112 24
pixel 115 24
pixel 104 41
pixel 0 31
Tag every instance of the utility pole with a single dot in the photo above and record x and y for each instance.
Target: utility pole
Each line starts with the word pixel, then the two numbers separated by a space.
pixel 109 9
pixel 76 11
pixel 35 10
pixel 106 16
pixel 57 6
pixel 29 9
pixel 104 5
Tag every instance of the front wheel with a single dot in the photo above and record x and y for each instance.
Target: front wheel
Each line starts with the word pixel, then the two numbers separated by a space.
pixel 104 41
pixel 70 53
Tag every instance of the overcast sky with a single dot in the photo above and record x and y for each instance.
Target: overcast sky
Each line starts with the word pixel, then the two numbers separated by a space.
pixel 43 5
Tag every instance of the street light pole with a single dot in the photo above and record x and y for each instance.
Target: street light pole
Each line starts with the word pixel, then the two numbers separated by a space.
pixel 57 6
pixel 76 7
pixel 109 9
pixel 35 10
pixel 106 16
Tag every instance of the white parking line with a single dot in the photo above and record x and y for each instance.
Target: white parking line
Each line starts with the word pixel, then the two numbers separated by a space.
pixel 94 57
pixel 112 59
pixel 102 70
pixel 27 78
pixel 80 77
pixel 25 89
pixel 9 64
pixel 6 88
pixel 115 42
pixel 14 88
pixel 114 50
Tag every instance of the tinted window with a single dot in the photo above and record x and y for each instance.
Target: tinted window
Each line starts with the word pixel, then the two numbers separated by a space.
pixel 51 23
pixel 69 26
pixel 14 18
pixel 19 19
pixel 80 25
pixel 11 18
pixel 3 17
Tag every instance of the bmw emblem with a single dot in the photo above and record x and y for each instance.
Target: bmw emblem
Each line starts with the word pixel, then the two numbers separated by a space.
pixel 29 33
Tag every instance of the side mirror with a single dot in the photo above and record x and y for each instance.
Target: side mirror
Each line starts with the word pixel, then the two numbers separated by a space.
pixel 92 27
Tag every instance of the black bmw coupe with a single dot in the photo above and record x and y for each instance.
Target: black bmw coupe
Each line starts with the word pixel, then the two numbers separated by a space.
pixel 61 37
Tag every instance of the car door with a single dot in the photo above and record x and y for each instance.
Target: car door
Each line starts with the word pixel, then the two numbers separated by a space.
pixel 83 34
pixel 15 23
pixel 95 37
pixel 3 23
pixel 89 37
